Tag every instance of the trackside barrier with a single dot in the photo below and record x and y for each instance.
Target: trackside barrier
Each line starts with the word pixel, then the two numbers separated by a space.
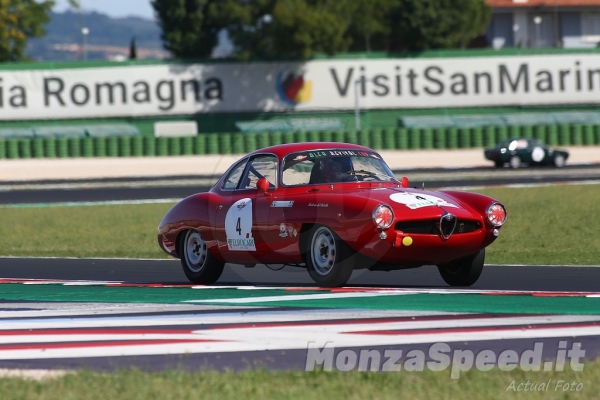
pixel 62 148
pixel 240 143
pixel 588 135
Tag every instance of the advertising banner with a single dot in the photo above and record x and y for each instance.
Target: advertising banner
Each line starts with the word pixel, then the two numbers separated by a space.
pixel 323 85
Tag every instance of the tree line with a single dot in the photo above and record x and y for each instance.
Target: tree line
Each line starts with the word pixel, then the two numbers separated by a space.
pixel 298 29
pixel 281 29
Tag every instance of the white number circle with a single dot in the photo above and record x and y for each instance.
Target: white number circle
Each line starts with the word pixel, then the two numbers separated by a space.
pixel 238 226
pixel 537 154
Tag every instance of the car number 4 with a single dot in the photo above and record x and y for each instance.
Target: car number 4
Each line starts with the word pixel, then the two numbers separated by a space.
pixel 238 226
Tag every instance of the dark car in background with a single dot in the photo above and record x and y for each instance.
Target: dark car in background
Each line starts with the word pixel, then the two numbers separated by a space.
pixel 525 151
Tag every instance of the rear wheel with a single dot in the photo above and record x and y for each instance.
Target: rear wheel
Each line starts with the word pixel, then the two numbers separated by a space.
pixel 498 164
pixel 328 259
pixel 198 263
pixel 559 161
pixel 463 272
pixel 515 162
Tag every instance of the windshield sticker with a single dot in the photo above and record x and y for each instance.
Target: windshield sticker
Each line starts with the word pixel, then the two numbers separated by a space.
pixel 414 200
pixel 238 226
pixel 282 204
pixel 332 153
pixel 342 153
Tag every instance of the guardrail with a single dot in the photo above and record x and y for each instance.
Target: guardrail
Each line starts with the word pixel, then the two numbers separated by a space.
pixel 241 143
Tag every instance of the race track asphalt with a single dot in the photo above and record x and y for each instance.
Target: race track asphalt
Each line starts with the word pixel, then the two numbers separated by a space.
pixel 505 277
pixel 178 187
pixel 57 314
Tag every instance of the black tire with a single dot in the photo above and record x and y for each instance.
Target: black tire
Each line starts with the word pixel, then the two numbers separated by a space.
pixel 559 161
pixel 515 162
pixel 329 260
pixel 498 164
pixel 199 265
pixel 463 272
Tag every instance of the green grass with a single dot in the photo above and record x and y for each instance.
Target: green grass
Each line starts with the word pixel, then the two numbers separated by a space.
pixel 546 225
pixel 179 385
pixel 92 231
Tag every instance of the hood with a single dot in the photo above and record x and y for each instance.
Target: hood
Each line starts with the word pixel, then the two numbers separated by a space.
pixel 415 203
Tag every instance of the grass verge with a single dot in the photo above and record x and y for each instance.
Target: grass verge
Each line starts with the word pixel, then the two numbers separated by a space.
pixel 546 225
pixel 551 225
pixel 127 231
pixel 260 384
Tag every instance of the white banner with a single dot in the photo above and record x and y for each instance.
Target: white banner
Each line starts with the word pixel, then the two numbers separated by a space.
pixel 131 91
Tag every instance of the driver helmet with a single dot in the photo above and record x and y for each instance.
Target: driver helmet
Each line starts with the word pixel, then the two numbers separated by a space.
pixel 332 171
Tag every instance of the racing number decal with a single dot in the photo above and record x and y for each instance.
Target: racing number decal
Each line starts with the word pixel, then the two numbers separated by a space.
pixel 414 201
pixel 238 226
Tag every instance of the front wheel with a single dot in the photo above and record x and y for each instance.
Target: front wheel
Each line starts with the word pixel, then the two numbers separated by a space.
pixel 198 263
pixel 463 272
pixel 515 162
pixel 559 161
pixel 328 259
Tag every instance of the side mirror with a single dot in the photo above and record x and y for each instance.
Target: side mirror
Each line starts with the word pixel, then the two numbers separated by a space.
pixel 263 186
pixel 404 182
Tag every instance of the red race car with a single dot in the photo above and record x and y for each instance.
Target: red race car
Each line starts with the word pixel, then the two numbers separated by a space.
pixel 330 208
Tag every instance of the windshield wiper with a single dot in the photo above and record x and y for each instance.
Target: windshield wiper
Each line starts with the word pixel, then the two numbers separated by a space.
pixel 362 171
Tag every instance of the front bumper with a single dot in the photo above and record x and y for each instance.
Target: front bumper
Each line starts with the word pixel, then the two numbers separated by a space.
pixel 414 249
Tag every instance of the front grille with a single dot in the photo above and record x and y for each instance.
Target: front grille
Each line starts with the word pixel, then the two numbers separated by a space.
pixel 424 227
pixel 466 226
pixel 448 223
pixel 431 227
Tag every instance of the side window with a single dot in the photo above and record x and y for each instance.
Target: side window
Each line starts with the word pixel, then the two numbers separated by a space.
pixel 261 166
pixel 522 144
pixel 298 174
pixel 232 180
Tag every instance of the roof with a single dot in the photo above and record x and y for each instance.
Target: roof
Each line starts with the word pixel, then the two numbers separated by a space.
pixel 283 149
pixel 542 3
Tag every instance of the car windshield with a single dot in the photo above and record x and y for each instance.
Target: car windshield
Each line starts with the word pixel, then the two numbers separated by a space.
pixel 334 166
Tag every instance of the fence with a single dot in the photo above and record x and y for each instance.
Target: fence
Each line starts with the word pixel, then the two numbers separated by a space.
pixel 240 143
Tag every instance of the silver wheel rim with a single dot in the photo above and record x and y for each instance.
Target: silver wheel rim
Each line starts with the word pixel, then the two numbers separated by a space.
pixel 559 161
pixel 323 251
pixel 515 162
pixel 196 251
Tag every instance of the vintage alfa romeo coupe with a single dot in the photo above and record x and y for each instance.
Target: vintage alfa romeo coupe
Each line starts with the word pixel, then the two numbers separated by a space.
pixel 330 208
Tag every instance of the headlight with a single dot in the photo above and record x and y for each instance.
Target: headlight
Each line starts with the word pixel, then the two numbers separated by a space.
pixel 496 214
pixel 383 216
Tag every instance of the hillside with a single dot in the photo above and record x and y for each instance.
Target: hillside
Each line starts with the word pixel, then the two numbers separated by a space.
pixel 108 38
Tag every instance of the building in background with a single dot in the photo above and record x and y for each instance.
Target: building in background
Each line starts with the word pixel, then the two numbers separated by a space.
pixel 544 23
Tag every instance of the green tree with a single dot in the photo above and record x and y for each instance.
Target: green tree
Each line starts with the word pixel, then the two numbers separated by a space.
pixel 300 29
pixel 19 21
pixel 186 30
pixel 247 23
pixel 438 24
pixel 284 28
pixel 132 49
pixel 371 23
